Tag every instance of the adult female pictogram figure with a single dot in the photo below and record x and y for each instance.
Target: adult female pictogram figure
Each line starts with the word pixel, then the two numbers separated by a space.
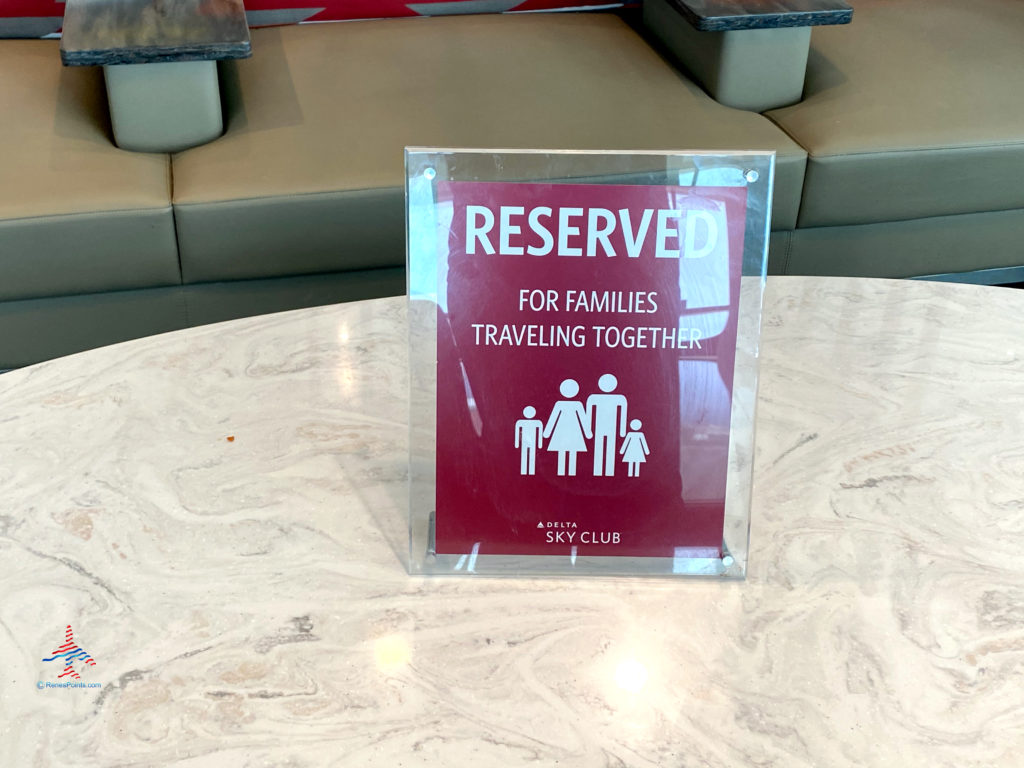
pixel 634 448
pixel 568 428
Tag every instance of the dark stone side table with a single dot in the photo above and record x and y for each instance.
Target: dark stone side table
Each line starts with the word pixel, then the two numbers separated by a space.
pixel 159 59
pixel 750 54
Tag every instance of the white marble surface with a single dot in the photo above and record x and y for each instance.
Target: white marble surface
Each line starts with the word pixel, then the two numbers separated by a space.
pixel 247 604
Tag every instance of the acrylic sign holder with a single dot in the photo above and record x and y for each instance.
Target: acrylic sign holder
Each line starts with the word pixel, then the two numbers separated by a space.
pixel 583 344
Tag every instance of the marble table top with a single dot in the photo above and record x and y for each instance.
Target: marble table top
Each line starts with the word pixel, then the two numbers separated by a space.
pixel 723 15
pixel 219 516
pixel 102 32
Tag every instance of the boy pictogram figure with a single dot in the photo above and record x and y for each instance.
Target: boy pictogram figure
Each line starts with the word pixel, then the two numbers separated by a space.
pixel 528 440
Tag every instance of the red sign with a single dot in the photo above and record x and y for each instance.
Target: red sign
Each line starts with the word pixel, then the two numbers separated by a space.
pixel 586 340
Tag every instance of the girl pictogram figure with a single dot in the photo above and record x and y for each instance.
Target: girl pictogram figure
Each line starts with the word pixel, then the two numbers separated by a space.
pixel 634 448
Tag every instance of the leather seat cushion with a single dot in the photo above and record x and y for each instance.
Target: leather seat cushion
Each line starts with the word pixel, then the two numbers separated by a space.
pixel 968 242
pixel 911 111
pixel 77 214
pixel 309 176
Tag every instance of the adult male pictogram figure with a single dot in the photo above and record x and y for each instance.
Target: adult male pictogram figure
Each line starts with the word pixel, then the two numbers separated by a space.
pixel 607 413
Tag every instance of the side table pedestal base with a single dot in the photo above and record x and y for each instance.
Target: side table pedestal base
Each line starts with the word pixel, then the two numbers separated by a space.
pixel 164 106
pixel 755 69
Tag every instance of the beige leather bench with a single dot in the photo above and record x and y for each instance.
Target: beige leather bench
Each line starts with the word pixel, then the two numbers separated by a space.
pixel 301 201
pixel 913 120
pixel 309 175
pixel 78 217
pixel 903 158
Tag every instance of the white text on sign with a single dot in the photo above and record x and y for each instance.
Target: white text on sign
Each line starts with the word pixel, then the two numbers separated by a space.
pixel 694 232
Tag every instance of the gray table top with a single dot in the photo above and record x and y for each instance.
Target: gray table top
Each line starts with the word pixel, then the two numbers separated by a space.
pixel 221 516
pixel 99 32
pixel 724 15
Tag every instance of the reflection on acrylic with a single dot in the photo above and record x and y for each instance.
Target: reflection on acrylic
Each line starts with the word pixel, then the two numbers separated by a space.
pixel 705 384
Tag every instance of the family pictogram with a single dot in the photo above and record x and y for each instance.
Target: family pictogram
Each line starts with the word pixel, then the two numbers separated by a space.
pixel 571 423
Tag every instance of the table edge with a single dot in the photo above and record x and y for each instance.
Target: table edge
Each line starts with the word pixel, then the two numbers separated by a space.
pixel 154 54
pixel 762 20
